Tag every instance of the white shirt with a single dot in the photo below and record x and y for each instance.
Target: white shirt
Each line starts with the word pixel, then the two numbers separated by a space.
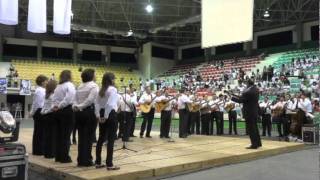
pixel 147 98
pixel 123 105
pixel 112 99
pixel 47 107
pixel 86 95
pixel 182 100
pixel 64 95
pixel 305 105
pixel 278 105
pixel 265 105
pixel 38 99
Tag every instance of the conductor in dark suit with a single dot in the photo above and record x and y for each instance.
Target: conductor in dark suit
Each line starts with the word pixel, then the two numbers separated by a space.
pixel 250 98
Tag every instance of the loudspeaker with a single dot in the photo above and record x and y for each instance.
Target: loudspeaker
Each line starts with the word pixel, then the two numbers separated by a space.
pixel 310 134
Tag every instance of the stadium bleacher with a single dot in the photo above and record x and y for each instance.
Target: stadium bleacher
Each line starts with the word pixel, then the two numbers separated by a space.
pixel 29 69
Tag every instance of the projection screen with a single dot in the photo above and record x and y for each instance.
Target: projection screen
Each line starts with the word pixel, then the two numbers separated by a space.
pixel 226 22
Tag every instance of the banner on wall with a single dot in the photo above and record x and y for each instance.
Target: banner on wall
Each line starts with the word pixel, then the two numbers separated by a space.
pixel 3 85
pixel 25 87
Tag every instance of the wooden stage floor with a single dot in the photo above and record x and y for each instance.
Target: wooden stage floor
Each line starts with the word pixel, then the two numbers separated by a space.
pixel 158 157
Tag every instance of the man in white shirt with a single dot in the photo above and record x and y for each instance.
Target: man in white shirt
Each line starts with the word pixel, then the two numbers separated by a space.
pixel 205 115
pixel 134 101
pixel 126 111
pixel 86 123
pixel 232 116
pixel 220 102
pixel 37 105
pixel 265 113
pixel 147 98
pixel 183 114
pixel 279 115
pixel 166 113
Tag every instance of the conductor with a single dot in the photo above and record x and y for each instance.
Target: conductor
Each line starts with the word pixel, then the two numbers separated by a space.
pixel 250 98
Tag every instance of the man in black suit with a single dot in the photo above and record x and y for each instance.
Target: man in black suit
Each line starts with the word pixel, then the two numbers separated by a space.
pixel 250 98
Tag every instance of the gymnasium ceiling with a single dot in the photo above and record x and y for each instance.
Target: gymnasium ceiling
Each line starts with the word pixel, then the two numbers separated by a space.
pixel 173 22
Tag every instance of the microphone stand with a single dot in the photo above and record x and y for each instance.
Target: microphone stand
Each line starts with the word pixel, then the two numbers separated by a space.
pixel 124 143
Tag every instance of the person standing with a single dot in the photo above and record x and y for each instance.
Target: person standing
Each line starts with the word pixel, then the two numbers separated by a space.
pixel 83 107
pixel 205 115
pixel 63 98
pixel 37 105
pixel 49 121
pixel 265 113
pixel 147 98
pixel 134 100
pixel 219 114
pixel 278 114
pixel 249 99
pixel 106 106
pixel 126 110
pixel 166 114
pixel 232 116
pixel 183 114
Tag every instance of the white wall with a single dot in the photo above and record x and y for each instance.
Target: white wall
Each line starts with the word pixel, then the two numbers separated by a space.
pixel 307 30
pixel 160 65
pixel 27 42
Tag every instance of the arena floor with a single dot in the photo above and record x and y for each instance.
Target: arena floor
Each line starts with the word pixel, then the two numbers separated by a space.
pixel 157 157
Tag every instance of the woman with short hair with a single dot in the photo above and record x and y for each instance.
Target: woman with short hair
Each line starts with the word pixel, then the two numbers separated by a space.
pixel 37 105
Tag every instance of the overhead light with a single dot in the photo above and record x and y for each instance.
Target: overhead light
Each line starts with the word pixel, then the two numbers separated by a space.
pixel 85 30
pixel 266 14
pixel 149 8
pixel 130 33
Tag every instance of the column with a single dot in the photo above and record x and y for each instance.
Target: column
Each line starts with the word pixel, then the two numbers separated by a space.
pixel 75 53
pixel 39 50
pixel 1 47
pixel 248 47
pixel 299 31
pixel 108 56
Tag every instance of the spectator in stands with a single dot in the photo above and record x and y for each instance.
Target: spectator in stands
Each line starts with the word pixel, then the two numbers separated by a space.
pixel 130 82
pixel 53 77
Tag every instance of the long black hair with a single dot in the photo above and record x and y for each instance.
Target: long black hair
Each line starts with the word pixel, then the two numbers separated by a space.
pixel 107 80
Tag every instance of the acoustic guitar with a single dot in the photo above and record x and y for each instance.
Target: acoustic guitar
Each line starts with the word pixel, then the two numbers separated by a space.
pixel 160 106
pixel 146 107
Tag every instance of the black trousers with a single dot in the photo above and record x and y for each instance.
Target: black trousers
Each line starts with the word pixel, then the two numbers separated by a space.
pixel 232 115
pixel 147 121
pixel 120 124
pixel 279 122
pixel 266 124
pixel 49 135
pixel 251 123
pixel 38 134
pixel 134 114
pixel 286 125
pixel 219 123
pixel 125 125
pixel 65 123
pixel 85 123
pixel 213 117
pixel 194 122
pixel 107 132
pixel 165 123
pixel 183 123
pixel 205 119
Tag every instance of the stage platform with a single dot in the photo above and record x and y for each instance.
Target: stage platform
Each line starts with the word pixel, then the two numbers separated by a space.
pixel 158 157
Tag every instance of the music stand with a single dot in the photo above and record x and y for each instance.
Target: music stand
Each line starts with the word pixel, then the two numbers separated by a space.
pixel 124 143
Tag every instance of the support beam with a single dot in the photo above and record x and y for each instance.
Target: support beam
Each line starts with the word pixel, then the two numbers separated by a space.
pixel 75 53
pixel 299 31
pixel 39 50
pixel 108 56
pixel 1 47
pixel 248 47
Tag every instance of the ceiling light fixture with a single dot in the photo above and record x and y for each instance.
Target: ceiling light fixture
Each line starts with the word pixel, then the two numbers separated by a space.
pixel 130 33
pixel 149 8
pixel 266 13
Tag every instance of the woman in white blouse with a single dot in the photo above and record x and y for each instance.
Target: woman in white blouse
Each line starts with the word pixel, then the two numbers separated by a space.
pixel 106 107
pixel 49 121
pixel 37 105
pixel 83 106
pixel 62 106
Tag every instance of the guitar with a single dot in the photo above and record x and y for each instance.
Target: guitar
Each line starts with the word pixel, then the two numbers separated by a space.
pixel 146 107
pixel 160 106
